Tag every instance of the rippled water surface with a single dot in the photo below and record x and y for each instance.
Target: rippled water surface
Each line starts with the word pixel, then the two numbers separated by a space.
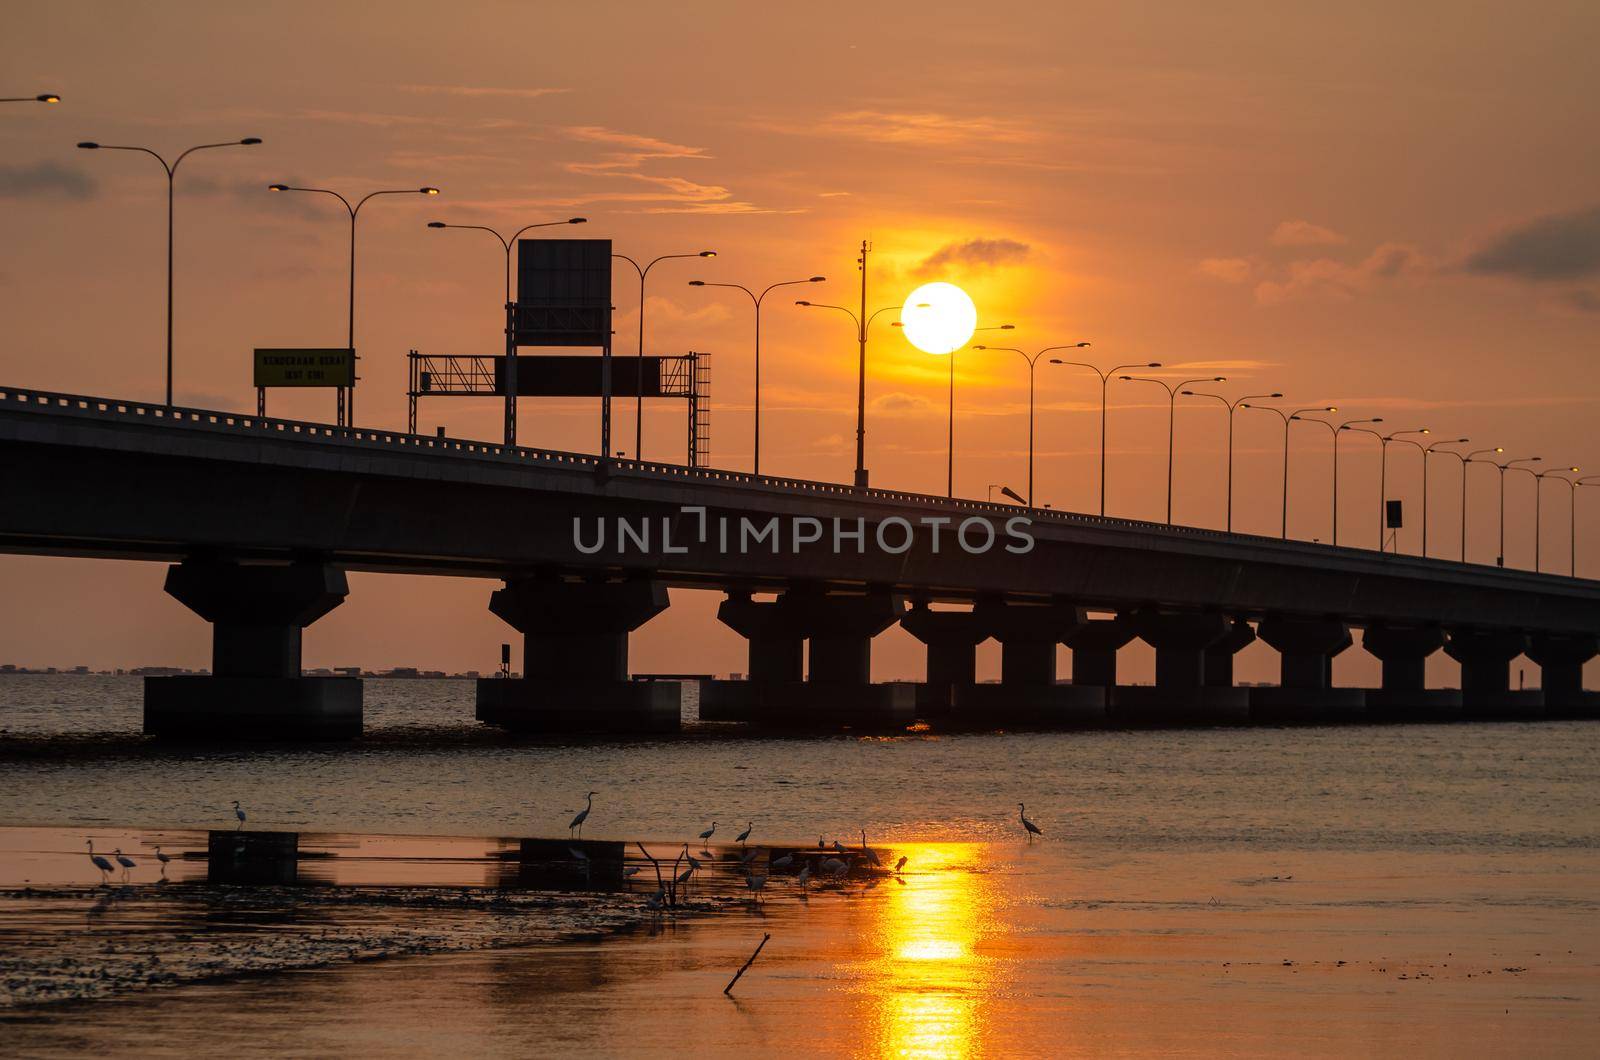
pixel 1377 889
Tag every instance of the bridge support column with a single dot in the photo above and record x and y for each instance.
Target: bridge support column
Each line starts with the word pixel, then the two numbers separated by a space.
pixel 255 689
pixel 776 653
pixel 575 659
pixel 1485 656
pixel 1181 695
pixel 1404 651
pixel 952 638
pixel 1561 658
pixel 838 691
pixel 1305 691
pixel 1028 695
pixel 1094 652
pixel 1219 657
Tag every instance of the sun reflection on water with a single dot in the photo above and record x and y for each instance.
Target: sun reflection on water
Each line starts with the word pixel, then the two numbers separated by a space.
pixel 926 975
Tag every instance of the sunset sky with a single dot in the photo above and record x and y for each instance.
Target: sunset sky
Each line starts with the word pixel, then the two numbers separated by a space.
pixel 1391 211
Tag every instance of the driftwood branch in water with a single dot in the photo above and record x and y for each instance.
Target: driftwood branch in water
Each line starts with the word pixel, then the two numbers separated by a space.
pixel 747 964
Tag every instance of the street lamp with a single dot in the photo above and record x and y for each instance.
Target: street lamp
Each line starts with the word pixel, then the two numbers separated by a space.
pixel 1006 491
pixel 1538 499
pixel 1345 426
pixel 1383 465
pixel 1423 450
pixel 508 242
pixel 863 328
pixel 1435 448
pixel 1172 410
pixel 950 443
pixel 1510 465
pixel 1033 362
pixel 1591 480
pixel 1105 378
pixel 638 405
pixel 757 299
pixel 1231 406
pixel 1470 458
pixel 43 97
pixel 171 171
pixel 1287 418
pixel 347 413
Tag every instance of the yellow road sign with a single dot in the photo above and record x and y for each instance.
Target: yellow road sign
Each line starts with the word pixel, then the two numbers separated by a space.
pixel 308 367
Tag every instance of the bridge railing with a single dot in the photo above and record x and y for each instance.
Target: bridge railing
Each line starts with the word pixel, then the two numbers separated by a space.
pixel 236 423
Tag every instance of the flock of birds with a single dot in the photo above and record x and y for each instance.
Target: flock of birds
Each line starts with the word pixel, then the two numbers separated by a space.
pixel 837 866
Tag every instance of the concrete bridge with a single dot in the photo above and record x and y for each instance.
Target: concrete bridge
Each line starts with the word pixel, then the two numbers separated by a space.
pixel 261 518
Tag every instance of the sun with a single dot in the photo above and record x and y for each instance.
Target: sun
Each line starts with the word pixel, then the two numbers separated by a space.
pixel 939 317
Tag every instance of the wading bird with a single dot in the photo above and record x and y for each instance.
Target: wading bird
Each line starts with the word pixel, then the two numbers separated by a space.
pixel 583 815
pixel 755 883
pixel 705 837
pixel 742 836
pixel 127 863
pixel 839 847
pixel 871 855
pixel 900 864
pixel 804 877
pixel 836 868
pixel 1032 829
pixel 655 900
pixel 820 844
pixel 783 862
pixel 99 862
pixel 163 858
pixel 239 814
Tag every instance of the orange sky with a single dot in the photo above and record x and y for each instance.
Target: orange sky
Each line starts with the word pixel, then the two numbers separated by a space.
pixel 1391 212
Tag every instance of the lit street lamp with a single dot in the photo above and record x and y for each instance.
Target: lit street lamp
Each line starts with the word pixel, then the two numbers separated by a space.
pixel 950 443
pixel 1287 418
pixel 347 413
pixel 1172 412
pixel 1591 480
pixel 43 97
pixel 1105 378
pixel 171 171
pixel 507 243
pixel 757 299
pixel 1510 465
pixel 1006 491
pixel 1423 450
pixel 1033 362
pixel 1470 458
pixel 1435 448
pixel 1345 426
pixel 638 405
pixel 1538 498
pixel 1383 467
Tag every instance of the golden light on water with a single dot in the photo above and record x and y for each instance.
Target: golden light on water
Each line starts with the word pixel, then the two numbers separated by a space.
pixel 928 978
pixel 939 317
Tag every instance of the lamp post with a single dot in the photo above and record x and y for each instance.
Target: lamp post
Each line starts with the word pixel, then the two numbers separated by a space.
pixel 1287 418
pixel 863 328
pixel 1383 466
pixel 1470 458
pixel 508 242
pixel 347 413
pixel 1172 411
pixel 1345 426
pixel 1591 480
pixel 1434 448
pixel 1538 502
pixel 950 442
pixel 757 299
pixel 1105 378
pixel 43 97
pixel 172 172
pixel 1006 491
pixel 1231 406
pixel 1511 465
pixel 1033 362
pixel 1423 450
pixel 638 406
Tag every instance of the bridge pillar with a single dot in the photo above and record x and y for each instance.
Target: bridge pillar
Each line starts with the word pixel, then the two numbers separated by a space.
pixel 1181 695
pixel 838 691
pixel 1094 651
pixel 1029 631
pixel 1305 691
pixel 952 638
pixel 1561 658
pixel 1404 651
pixel 575 659
pixel 1485 656
pixel 776 648
pixel 255 689
pixel 1219 657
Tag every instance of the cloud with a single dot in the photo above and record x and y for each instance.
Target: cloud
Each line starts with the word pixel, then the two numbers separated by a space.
pixel 1563 246
pixel 45 180
pixel 924 128
pixel 1228 270
pixel 1584 301
pixel 1304 234
pixel 478 91
pixel 1330 279
pixel 898 401
pixel 628 150
pixel 974 253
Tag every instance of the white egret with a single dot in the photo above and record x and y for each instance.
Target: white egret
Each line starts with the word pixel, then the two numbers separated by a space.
pixel 900 864
pixel 583 815
pixel 835 867
pixel 783 862
pixel 748 856
pixel 99 862
pixel 839 847
pixel 163 858
pixel 872 855
pixel 755 883
pixel 655 900
pixel 1032 829
pixel 742 836
pixel 632 870
pixel 239 814
pixel 126 862
pixel 705 836
pixel 804 877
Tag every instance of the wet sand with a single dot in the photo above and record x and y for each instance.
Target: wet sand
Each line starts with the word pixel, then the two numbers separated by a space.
pixel 976 949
